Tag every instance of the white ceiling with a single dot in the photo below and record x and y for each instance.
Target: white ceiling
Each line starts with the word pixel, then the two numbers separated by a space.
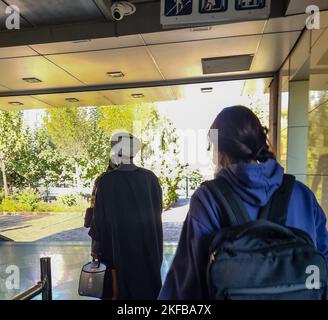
pixel 92 67
pixel 298 6
pixel 15 69
pixel 21 51
pixel 154 94
pixel 150 95
pixel 183 60
pixel 85 99
pixel 273 50
pixel 88 45
pixel 27 101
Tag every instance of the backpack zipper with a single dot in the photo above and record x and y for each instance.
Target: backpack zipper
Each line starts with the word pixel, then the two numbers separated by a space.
pixel 263 250
pixel 266 290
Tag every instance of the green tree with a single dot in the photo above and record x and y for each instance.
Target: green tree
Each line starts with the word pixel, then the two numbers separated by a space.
pixel 317 140
pixel 21 167
pixel 195 179
pixel 112 118
pixel 98 148
pixel 260 107
pixel 159 142
pixel 140 120
pixel 161 155
pixel 47 165
pixel 11 140
pixel 69 129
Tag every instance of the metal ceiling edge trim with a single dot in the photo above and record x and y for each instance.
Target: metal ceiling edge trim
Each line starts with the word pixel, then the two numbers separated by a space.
pixel 82 30
pixel 302 33
pixel 149 84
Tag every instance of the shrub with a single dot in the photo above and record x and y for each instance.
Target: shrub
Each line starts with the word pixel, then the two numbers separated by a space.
pixel 25 200
pixel 58 206
pixel 2 195
pixel 28 199
pixel 169 189
pixel 10 205
pixel 46 206
pixel 69 200
pixel 195 179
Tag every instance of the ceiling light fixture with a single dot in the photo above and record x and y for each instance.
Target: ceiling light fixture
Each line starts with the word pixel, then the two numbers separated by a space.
pixel 81 41
pixel 203 28
pixel 72 100
pixel 116 74
pixel 16 103
pixel 227 64
pixel 207 90
pixel 137 95
pixel 32 80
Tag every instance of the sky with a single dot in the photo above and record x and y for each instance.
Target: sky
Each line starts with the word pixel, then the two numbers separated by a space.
pixel 33 117
pixel 196 111
pixel 193 120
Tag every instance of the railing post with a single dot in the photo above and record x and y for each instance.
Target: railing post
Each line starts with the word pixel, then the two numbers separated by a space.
pixel 45 266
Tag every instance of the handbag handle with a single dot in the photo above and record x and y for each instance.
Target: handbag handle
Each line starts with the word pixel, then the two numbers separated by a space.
pixel 96 260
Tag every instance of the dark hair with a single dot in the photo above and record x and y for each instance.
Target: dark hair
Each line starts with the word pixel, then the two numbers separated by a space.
pixel 238 133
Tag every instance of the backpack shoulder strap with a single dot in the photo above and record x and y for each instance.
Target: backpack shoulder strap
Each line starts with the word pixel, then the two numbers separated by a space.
pixel 233 212
pixel 277 208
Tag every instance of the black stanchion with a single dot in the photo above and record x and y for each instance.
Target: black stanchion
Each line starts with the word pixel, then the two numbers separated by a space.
pixel 44 286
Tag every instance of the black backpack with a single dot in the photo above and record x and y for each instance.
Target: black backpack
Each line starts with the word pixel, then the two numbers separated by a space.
pixel 262 259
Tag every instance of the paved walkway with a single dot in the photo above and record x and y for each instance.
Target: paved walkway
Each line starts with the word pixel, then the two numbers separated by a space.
pixel 68 226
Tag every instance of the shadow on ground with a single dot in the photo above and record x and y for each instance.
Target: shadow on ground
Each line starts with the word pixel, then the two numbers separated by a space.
pixel 171 233
pixel 15 222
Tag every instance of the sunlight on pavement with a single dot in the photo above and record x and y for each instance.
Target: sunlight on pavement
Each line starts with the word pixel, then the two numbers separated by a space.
pixel 177 214
pixel 69 226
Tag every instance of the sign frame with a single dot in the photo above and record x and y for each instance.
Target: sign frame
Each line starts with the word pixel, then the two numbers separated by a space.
pixel 211 18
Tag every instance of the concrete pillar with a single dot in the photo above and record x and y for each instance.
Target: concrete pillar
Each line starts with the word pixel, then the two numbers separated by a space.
pixel 298 129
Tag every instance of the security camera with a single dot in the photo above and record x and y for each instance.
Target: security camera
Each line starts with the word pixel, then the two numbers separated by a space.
pixel 120 9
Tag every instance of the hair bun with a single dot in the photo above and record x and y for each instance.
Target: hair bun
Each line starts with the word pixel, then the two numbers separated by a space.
pixel 242 137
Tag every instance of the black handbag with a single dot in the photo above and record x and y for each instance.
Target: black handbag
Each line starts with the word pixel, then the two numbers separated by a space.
pixel 98 281
pixel 88 217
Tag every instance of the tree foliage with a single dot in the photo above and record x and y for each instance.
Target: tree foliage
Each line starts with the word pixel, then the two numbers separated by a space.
pixel 11 141
pixel 69 129
pixel 72 146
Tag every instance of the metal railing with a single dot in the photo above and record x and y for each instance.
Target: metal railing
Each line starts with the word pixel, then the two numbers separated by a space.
pixel 43 287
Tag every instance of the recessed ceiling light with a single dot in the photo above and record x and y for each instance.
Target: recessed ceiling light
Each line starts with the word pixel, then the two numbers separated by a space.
pixel 16 103
pixel 81 41
pixel 206 90
pixel 115 74
pixel 203 28
pixel 227 64
pixel 32 80
pixel 72 100
pixel 137 95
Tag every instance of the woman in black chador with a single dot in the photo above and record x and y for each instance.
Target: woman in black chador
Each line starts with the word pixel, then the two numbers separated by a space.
pixel 127 223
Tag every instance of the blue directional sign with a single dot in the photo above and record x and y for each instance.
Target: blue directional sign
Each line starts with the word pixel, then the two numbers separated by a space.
pixel 189 13
pixel 174 8
pixel 211 6
pixel 250 4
